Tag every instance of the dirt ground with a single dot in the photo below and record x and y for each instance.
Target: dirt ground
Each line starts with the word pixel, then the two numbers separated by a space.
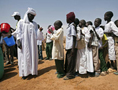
pixel 47 80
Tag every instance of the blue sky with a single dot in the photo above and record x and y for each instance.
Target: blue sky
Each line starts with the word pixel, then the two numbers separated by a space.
pixel 48 11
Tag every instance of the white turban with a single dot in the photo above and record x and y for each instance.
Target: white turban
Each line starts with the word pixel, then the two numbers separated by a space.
pixel 31 11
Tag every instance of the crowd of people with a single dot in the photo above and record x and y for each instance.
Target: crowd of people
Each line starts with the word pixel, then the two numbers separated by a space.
pixel 90 50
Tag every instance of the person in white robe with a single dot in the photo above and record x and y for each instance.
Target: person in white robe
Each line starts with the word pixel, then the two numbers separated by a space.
pixel 110 30
pixel 100 33
pixel 84 56
pixel 27 37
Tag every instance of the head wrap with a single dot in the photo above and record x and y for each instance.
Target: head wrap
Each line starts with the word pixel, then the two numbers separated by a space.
pixel 70 17
pixel 31 11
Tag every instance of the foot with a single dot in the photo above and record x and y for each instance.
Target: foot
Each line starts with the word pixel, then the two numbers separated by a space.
pixel 116 73
pixel 24 77
pixel 91 74
pixel 47 58
pixel 56 72
pixel 11 63
pixel 41 59
pixel 60 76
pixel 104 73
pixel 97 74
pixel 8 62
pixel 67 78
pixel 76 74
pixel 50 59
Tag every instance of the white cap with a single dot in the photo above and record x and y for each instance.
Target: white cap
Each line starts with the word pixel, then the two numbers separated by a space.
pixel 16 13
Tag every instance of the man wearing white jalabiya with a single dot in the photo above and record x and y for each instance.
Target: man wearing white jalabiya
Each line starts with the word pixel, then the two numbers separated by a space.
pixel 27 37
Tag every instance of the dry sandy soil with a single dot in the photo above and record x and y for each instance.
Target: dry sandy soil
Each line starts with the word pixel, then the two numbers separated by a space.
pixel 47 80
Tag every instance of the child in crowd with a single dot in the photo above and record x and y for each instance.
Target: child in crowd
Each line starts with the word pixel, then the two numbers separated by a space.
pixel 110 30
pixel 49 43
pixel 85 63
pixel 116 48
pixel 39 44
pixel 70 47
pixel 100 33
pixel 93 43
pixel 57 50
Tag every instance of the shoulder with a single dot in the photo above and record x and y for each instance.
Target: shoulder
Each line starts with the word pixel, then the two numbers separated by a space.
pixel 60 30
pixel 72 25
pixel 90 27
pixel 111 22
pixel 34 22
pixel 85 28
pixel 20 21
pixel 100 29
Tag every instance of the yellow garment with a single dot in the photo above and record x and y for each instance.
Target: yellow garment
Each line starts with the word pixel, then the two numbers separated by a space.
pixel 104 39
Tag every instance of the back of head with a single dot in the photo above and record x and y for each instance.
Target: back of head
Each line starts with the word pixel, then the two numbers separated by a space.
pixel 116 23
pixel 89 23
pixel 99 20
pixel 38 26
pixel 109 14
pixel 59 23
pixel 49 26
pixel 83 22
pixel 76 21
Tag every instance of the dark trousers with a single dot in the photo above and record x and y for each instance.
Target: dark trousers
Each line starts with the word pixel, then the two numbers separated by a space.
pixel 60 67
pixel 70 63
pixel 40 52
pixel 9 51
pixel 49 49
pixel 15 51
pixel 103 65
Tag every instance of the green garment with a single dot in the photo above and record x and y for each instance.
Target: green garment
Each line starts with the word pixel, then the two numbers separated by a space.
pixel 49 49
pixel 1 64
pixel 60 68
pixel 102 61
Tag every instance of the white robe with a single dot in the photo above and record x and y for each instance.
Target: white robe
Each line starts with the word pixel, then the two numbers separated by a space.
pixel 28 34
pixel 84 61
pixel 111 27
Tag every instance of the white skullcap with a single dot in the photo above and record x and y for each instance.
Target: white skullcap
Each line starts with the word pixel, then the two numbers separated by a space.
pixel 16 13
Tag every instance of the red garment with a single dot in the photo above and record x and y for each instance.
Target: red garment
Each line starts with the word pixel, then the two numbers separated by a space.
pixel 70 17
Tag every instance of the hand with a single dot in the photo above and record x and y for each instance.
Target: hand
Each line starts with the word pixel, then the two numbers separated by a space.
pixel 51 31
pixel 40 28
pixel 19 44
pixel 9 36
